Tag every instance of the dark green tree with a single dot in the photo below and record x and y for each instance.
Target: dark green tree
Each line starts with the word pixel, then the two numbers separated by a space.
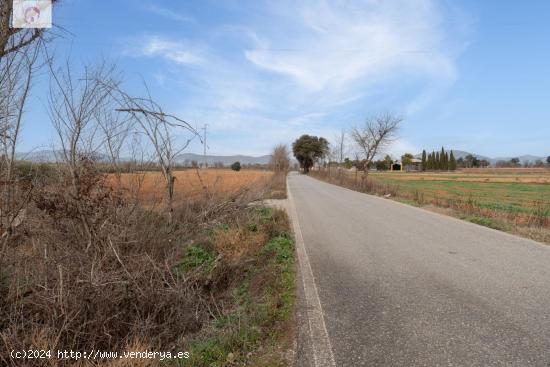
pixel 380 165
pixel 308 149
pixel 236 166
pixel 443 163
pixel 437 161
pixel 348 163
pixel 452 162
pixel 424 163
pixel 469 161
pixel 406 159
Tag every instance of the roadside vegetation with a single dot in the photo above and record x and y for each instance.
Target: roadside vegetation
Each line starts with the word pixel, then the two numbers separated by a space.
pixel 216 281
pixel 251 325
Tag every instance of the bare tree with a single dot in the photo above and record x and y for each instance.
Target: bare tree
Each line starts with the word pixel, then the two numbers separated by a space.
pixel 340 148
pixel 16 73
pixel 115 129
pixel 161 130
pixel 375 135
pixel 73 105
pixel 279 158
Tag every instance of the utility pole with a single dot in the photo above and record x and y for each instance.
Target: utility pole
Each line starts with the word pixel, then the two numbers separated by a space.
pixel 205 165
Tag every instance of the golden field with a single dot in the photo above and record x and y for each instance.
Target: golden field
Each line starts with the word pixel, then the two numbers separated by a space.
pixel 149 187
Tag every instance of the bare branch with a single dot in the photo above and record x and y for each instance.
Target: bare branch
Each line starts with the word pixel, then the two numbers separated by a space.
pixel 375 135
pixel 159 127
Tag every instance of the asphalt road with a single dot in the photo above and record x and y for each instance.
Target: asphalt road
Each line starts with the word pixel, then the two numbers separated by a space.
pixel 401 286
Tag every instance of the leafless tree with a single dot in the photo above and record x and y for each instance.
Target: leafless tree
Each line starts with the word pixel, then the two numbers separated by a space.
pixel 161 130
pixel 279 160
pixel 375 135
pixel 338 150
pixel 340 147
pixel 16 72
pixel 115 129
pixel 73 106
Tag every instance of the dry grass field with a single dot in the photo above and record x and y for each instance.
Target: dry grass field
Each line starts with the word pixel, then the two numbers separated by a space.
pixel 527 175
pixel 191 183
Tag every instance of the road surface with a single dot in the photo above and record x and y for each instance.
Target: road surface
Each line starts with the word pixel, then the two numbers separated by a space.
pixel 385 284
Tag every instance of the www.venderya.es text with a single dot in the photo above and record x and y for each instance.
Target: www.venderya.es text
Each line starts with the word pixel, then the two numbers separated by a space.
pixel 95 354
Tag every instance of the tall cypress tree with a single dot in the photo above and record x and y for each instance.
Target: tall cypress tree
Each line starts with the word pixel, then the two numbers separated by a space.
pixel 437 161
pixel 429 162
pixel 424 162
pixel 443 164
pixel 447 164
pixel 452 162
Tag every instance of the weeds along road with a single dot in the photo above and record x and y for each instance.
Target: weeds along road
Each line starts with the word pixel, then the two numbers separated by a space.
pixel 393 285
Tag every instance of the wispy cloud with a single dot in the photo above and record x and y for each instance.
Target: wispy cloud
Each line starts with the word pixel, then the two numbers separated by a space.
pixel 169 13
pixel 288 69
pixel 348 46
pixel 176 51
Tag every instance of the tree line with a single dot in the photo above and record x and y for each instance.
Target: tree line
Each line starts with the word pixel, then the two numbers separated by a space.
pixel 438 161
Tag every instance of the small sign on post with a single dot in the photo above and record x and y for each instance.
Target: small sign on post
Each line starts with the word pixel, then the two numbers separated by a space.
pixel 32 14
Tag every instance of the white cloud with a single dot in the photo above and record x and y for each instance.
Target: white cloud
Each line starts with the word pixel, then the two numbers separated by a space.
pixel 401 146
pixel 343 47
pixel 291 68
pixel 169 14
pixel 176 51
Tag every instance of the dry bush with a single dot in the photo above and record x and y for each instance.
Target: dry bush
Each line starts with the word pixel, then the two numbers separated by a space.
pixel 279 160
pixel 355 182
pixel 236 243
pixel 277 186
pixel 59 289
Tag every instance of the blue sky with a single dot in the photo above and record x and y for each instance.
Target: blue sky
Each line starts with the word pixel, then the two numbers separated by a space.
pixel 470 75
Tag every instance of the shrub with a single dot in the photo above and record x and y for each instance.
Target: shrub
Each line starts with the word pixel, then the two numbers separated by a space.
pixel 236 166
pixel 93 271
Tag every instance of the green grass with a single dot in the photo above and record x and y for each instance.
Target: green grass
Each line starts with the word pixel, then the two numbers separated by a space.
pixel 196 256
pixel 484 221
pixel 256 318
pixel 265 213
pixel 514 197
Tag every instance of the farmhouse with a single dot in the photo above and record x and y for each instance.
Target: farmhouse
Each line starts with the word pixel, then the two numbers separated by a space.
pixel 415 164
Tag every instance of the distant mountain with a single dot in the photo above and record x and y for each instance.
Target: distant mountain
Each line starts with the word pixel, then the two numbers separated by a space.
pixel 522 158
pixel 227 160
pixel 50 156
pixel 462 154
pixel 41 156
